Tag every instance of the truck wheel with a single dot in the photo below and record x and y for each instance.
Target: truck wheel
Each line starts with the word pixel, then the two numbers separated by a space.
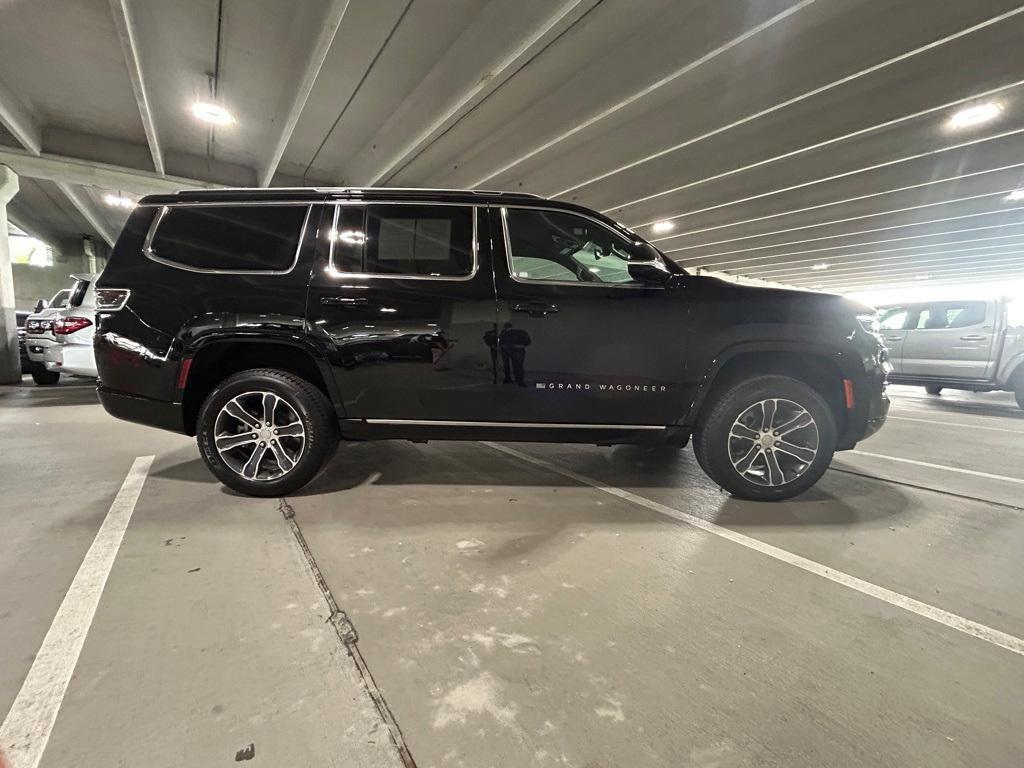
pixel 266 432
pixel 767 438
pixel 43 377
pixel 932 389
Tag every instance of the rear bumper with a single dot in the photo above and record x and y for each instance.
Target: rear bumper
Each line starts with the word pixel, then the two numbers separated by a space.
pixel 36 346
pixel 78 359
pixel 142 410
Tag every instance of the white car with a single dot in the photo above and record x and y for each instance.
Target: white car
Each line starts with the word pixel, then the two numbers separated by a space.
pixel 39 335
pixel 73 331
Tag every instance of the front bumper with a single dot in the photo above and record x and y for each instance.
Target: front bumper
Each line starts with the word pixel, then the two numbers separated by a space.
pixel 142 410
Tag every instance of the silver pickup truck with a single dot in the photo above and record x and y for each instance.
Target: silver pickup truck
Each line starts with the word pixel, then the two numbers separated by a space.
pixel 972 345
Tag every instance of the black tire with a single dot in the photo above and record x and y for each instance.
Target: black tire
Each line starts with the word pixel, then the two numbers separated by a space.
pixel 1019 393
pixel 308 402
pixel 712 441
pixel 933 389
pixel 43 377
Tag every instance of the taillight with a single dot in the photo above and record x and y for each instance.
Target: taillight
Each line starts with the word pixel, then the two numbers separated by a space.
pixel 111 299
pixel 68 325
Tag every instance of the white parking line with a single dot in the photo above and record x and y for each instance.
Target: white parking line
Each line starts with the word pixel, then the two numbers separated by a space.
pixel 959 424
pixel 952 620
pixel 943 467
pixel 26 729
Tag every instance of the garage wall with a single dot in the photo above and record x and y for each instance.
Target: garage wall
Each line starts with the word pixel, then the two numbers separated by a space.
pixel 33 283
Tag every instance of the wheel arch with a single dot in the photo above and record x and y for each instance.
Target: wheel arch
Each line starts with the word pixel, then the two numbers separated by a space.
pixel 216 359
pixel 818 366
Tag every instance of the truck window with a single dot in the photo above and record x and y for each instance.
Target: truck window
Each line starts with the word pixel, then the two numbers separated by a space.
pixel 1015 313
pixel 223 238
pixel 563 247
pixel 951 315
pixel 894 318
pixel 60 299
pixel 398 240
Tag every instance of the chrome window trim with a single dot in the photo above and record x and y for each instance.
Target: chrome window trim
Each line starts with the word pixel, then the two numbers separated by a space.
pixel 529 281
pixel 509 424
pixel 147 245
pixel 335 272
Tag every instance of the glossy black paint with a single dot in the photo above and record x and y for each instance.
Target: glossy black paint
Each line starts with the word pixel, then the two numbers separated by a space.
pixel 484 348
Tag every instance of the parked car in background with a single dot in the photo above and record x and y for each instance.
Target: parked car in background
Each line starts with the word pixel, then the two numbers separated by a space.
pixel 73 330
pixel 39 336
pixel 972 345
pixel 271 322
pixel 21 316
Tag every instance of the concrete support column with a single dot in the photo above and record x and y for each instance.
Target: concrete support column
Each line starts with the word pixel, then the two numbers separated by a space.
pixel 10 362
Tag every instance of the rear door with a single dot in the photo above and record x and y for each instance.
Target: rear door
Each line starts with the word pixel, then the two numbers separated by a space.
pixel 951 340
pixel 894 322
pixel 401 302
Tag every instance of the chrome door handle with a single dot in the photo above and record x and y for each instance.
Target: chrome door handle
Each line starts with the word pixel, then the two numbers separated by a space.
pixel 535 308
pixel 345 301
pixel 973 337
pixel 894 338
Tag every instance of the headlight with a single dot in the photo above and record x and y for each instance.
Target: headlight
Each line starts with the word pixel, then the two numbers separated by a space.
pixel 869 322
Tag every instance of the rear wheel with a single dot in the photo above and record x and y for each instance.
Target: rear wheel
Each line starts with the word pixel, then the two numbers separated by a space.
pixel 932 389
pixel 767 438
pixel 266 432
pixel 44 377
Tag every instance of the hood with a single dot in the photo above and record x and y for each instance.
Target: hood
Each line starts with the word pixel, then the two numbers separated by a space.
pixel 795 305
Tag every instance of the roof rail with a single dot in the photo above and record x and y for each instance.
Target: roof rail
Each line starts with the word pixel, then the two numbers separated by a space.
pixel 338 190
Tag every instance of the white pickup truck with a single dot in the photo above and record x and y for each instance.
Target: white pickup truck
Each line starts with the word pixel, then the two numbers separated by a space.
pixel 972 345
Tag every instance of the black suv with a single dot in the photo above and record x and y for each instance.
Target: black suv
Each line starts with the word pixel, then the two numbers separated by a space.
pixel 270 323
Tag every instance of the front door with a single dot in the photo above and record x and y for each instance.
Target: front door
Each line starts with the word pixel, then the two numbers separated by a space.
pixel 580 341
pixel 951 339
pixel 893 323
pixel 401 301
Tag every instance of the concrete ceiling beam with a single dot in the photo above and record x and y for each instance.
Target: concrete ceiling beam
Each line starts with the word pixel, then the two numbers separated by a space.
pixel 70 170
pixel 129 46
pixel 17 118
pixel 332 21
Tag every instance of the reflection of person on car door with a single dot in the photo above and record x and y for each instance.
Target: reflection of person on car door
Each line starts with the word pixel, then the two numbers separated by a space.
pixel 512 342
pixel 439 348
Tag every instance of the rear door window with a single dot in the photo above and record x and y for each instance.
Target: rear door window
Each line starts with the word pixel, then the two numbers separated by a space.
pixel 225 238
pixel 1015 313
pixel 404 240
pixel 962 314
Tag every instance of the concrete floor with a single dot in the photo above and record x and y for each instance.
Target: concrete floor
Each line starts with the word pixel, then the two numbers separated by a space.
pixel 526 604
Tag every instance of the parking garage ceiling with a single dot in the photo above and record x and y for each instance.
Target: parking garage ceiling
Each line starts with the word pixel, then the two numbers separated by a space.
pixel 840 144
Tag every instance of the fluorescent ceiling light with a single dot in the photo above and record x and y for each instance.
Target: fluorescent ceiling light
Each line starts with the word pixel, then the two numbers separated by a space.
pixel 979 113
pixel 819 267
pixel 920 277
pixel 211 113
pixel 118 202
pixel 663 226
pixel 1017 194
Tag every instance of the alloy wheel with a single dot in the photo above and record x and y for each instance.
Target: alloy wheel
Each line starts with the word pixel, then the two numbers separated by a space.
pixel 773 442
pixel 259 435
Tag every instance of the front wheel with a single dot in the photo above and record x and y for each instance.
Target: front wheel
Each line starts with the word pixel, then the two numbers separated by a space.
pixel 933 389
pixel 266 432
pixel 767 438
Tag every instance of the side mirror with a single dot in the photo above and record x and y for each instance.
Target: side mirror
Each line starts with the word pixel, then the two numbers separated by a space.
pixel 650 272
pixel 41 305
